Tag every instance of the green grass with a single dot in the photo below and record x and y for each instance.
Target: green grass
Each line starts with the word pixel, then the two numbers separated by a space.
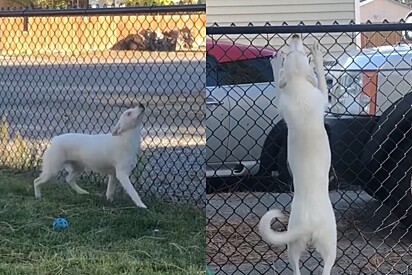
pixel 102 238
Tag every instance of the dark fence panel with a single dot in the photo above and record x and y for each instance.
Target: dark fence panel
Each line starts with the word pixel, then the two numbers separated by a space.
pixel 369 125
pixel 64 71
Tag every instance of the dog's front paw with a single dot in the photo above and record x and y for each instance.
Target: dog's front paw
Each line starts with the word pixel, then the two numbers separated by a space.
pixel 109 199
pixel 279 57
pixel 82 192
pixel 277 65
pixel 316 50
pixel 142 205
pixel 37 192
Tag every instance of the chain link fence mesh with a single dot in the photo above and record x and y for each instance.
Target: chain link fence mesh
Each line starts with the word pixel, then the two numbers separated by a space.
pixel 76 71
pixel 369 125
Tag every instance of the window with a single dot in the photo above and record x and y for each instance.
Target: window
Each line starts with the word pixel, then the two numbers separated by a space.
pixel 211 71
pixel 249 71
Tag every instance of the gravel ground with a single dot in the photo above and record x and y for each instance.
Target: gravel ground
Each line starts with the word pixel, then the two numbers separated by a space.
pixel 368 243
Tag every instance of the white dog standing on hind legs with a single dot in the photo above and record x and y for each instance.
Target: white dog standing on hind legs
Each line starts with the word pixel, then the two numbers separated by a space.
pixel 302 102
pixel 114 155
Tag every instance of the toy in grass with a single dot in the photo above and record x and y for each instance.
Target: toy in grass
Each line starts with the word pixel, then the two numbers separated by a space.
pixel 60 223
pixel 208 271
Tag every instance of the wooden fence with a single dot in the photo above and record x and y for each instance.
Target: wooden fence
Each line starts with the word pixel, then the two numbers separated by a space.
pixel 87 33
pixel 376 39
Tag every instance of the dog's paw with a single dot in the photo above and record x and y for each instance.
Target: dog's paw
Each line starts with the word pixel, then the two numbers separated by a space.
pixel 82 192
pixel 37 193
pixel 142 205
pixel 316 50
pixel 279 57
pixel 278 64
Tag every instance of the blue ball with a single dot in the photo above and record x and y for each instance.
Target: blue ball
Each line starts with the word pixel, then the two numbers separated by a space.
pixel 60 223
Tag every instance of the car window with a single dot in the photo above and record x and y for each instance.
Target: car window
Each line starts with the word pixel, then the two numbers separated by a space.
pixel 211 71
pixel 248 71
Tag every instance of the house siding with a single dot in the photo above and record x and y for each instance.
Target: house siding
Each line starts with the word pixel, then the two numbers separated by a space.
pixel 242 12
pixel 379 10
pixel 275 12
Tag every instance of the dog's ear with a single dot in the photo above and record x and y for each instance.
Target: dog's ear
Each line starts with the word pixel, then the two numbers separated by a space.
pixel 117 130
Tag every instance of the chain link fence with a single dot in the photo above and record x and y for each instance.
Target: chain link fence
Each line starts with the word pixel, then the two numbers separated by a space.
pixel 92 4
pixel 369 126
pixel 76 71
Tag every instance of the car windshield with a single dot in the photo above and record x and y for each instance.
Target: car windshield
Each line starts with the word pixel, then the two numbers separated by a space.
pixel 250 71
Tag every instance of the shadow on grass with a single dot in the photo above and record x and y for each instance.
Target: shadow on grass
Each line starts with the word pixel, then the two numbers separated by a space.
pixel 102 238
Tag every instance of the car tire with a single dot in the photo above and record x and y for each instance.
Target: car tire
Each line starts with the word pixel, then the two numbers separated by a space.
pixel 387 160
pixel 272 147
pixel 391 183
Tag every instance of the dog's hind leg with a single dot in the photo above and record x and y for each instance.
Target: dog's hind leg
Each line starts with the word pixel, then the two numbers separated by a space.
pixel 43 178
pixel 50 168
pixel 111 187
pixel 295 249
pixel 74 172
pixel 327 248
pixel 124 180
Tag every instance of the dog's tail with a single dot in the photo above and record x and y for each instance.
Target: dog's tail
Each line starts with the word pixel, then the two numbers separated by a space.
pixel 278 238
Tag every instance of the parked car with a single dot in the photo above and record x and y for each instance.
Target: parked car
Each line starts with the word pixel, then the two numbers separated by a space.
pixel 246 139
pixel 239 107
pixel 245 135
pixel 369 122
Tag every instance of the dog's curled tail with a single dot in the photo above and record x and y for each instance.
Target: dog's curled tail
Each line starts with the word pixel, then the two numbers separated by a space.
pixel 277 238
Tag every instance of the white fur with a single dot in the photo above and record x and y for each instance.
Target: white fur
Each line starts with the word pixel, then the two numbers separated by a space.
pixel 114 155
pixel 302 103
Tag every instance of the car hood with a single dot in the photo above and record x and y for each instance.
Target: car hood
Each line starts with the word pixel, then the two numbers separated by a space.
pixel 384 57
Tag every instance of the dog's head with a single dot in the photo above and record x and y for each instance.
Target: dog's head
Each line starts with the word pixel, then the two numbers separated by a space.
pixel 130 119
pixel 296 62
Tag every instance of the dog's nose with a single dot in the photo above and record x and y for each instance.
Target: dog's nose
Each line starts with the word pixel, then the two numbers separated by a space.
pixel 141 106
pixel 295 36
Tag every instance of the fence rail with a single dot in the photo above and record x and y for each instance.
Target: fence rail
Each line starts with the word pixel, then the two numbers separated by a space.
pixel 103 11
pixel 317 28
pixel 81 5
pixel 369 127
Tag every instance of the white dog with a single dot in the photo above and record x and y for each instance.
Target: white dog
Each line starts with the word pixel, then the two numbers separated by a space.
pixel 114 155
pixel 302 103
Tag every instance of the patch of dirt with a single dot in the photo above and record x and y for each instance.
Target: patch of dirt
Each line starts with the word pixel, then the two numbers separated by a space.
pixel 370 240
pixel 237 241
